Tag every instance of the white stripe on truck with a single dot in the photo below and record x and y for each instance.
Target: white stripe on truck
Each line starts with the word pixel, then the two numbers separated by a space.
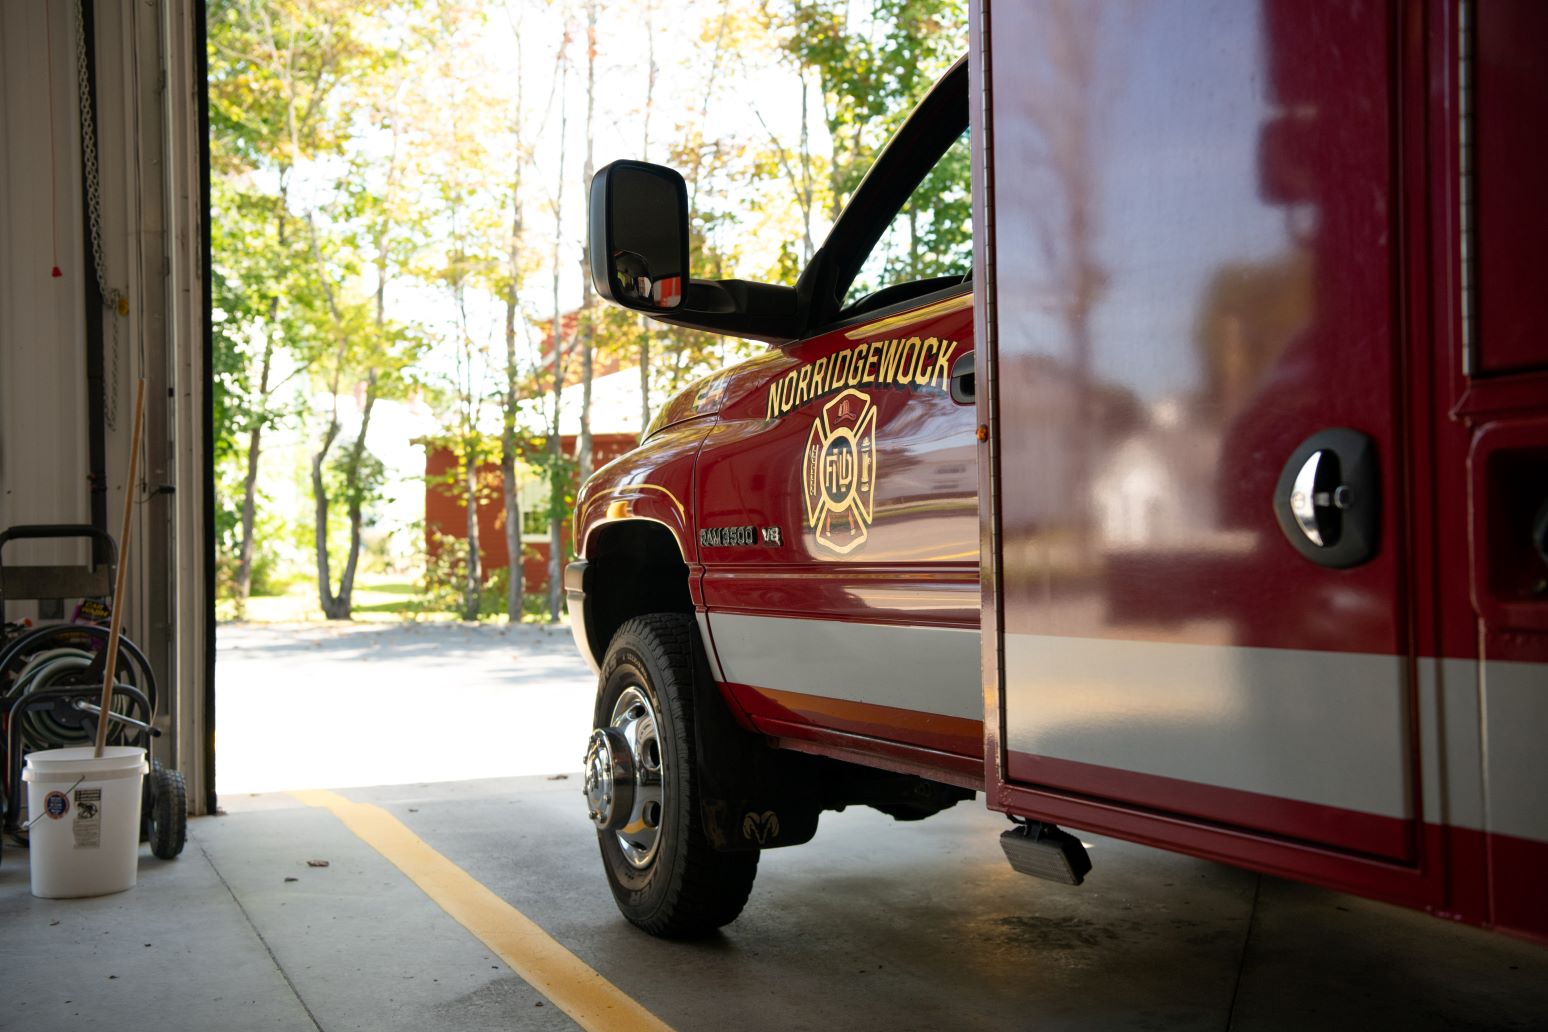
pixel 1319 727
pixel 926 669
pixel 1329 728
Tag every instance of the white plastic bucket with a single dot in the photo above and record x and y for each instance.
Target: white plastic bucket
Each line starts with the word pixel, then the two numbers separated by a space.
pixel 84 838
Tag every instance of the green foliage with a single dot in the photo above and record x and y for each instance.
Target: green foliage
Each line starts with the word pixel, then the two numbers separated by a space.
pixel 377 192
pixel 560 473
pixel 445 572
pixel 283 75
pixel 288 80
pixel 932 235
pixel 359 482
pixel 266 573
pixel 446 567
pixel 871 70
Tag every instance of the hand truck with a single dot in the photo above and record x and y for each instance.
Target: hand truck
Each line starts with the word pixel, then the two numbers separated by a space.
pixel 51 679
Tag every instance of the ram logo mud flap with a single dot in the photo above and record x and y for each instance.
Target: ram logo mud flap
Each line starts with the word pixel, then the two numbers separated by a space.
pixel 750 796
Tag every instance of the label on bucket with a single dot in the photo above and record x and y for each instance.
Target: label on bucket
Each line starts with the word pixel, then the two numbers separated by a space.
pixel 56 805
pixel 88 818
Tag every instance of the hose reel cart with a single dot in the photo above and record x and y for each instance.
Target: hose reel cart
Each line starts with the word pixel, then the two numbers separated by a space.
pixel 51 677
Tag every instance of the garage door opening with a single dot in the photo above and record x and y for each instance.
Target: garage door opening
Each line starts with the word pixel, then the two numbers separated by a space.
pixel 412 372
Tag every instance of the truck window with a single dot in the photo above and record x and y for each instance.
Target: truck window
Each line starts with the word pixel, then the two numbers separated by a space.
pixel 931 236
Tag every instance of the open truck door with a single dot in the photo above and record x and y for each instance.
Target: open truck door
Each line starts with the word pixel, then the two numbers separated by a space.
pixel 1242 391
pixel 1202 594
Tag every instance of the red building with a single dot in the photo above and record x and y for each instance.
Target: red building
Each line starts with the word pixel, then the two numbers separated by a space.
pixel 615 426
pixel 446 513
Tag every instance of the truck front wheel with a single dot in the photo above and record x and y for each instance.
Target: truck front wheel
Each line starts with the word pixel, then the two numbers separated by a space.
pixel 641 787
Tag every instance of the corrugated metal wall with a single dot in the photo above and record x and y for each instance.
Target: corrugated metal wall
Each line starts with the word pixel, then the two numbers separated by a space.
pixel 149 136
pixel 43 429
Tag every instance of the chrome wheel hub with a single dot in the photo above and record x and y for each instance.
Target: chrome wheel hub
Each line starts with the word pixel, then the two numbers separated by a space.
pixel 625 790
pixel 609 779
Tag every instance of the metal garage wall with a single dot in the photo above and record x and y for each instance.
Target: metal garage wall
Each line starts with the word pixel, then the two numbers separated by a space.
pixel 148 83
pixel 42 325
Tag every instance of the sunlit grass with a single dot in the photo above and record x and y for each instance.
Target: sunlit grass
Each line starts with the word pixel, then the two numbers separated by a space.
pixel 379 598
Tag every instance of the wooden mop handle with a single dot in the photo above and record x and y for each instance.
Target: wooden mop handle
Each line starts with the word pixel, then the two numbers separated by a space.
pixel 118 577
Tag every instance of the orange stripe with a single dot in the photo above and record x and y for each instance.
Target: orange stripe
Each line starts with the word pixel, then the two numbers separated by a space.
pixel 880 719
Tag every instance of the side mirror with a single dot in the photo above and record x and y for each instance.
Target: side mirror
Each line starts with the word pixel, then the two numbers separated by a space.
pixel 639 235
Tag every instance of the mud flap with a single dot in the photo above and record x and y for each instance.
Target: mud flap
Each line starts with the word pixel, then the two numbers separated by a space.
pixel 750 795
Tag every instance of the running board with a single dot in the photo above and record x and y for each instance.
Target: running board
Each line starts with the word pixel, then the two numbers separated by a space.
pixel 1044 851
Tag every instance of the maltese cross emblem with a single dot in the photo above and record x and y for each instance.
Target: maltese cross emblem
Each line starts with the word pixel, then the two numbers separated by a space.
pixel 839 471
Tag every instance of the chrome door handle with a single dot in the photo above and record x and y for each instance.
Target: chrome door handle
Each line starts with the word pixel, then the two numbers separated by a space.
pixel 1328 500
pixel 1307 498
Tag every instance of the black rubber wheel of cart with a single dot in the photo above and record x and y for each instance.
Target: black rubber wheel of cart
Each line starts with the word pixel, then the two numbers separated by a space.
pixel 165 821
pixel 666 877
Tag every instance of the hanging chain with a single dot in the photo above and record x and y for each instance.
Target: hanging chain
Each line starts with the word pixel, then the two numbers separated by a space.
pixel 113 302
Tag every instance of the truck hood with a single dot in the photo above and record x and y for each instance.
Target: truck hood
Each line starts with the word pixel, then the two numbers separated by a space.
pixel 702 398
pixel 706 397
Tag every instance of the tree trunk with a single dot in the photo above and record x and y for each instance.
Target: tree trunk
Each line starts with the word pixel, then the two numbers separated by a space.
pixel 650 103
pixel 556 476
pixel 510 487
pixel 644 376
pixel 913 244
pixel 244 570
pixel 473 583
pixel 587 330
pixel 515 587
pixel 807 248
pixel 325 597
pixel 355 495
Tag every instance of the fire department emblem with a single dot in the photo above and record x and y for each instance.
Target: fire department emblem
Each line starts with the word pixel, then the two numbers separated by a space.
pixel 839 471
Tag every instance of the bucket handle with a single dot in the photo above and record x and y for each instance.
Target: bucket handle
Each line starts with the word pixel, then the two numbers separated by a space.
pixel 39 816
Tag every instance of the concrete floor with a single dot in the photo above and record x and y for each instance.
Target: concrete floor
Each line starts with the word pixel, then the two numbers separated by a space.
pixel 874 925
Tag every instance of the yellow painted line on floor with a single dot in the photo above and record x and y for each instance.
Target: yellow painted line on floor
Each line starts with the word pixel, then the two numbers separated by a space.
pixel 571 984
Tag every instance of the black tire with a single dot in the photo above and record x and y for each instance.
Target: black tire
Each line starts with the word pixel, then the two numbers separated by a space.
pixel 166 811
pixel 686 888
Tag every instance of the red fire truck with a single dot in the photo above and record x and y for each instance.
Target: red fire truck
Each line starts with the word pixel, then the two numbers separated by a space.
pixel 1201 500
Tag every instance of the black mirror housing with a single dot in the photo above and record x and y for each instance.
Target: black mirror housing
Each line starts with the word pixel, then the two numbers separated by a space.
pixel 638 253
pixel 639 236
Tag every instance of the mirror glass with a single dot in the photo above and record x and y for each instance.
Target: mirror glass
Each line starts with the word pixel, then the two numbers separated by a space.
pixel 647 243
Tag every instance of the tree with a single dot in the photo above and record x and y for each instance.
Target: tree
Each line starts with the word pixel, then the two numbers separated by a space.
pixel 652 71
pixel 585 330
pixel 510 288
pixel 357 350
pixel 262 341
pixel 375 161
pixel 870 71
pixel 1078 73
pixel 380 229
pixel 275 71
pixel 471 253
pixel 557 480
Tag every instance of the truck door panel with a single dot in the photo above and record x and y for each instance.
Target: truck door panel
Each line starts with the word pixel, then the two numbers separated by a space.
pixel 1194 276
pixel 855 609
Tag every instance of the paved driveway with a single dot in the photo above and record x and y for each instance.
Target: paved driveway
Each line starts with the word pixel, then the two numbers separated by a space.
pixel 310 706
